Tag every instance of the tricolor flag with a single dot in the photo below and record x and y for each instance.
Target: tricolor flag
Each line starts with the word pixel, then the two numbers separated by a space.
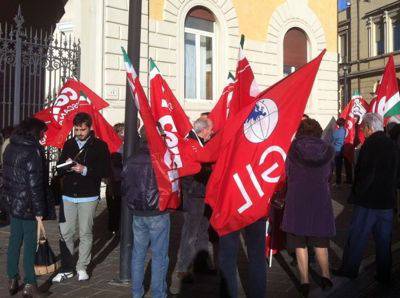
pixel 387 102
pixel 166 172
pixel 252 150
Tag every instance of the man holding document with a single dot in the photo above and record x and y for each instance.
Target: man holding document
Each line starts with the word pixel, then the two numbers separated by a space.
pixel 84 161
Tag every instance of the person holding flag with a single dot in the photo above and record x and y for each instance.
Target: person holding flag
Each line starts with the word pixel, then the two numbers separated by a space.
pixel 150 225
pixel 250 153
pixel 194 234
pixel 373 194
pixel 352 114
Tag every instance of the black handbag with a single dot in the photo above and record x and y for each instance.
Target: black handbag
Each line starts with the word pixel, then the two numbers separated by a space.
pixel 45 260
pixel 278 198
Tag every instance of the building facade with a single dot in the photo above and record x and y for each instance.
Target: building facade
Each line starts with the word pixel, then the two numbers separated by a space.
pixel 368 32
pixel 195 44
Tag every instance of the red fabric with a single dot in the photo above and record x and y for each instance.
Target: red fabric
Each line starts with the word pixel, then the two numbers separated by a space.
pixel 245 87
pixel 164 104
pixel 275 238
pixel 387 93
pixel 175 124
pixel 356 107
pixel 220 112
pixel 166 174
pixel 250 151
pixel 76 97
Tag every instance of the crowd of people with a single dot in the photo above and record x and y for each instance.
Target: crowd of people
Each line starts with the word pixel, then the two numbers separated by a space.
pixel 308 217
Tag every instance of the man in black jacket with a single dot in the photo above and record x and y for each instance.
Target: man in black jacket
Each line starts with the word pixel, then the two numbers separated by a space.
pixel 194 235
pixel 373 195
pixel 150 225
pixel 80 192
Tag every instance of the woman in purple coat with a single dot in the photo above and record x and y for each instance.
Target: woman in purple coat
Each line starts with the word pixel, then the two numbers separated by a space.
pixel 308 218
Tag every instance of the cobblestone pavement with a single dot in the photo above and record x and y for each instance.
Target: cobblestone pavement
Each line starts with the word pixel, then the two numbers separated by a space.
pixel 282 277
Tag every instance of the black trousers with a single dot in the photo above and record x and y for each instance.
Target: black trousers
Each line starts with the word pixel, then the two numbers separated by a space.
pixel 257 266
pixel 114 210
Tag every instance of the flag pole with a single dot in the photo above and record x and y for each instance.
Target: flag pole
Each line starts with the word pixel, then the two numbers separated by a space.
pixel 131 140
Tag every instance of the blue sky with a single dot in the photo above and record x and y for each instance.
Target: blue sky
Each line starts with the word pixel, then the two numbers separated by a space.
pixel 342 4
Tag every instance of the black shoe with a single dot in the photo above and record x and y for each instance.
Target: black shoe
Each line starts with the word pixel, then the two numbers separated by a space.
pixel 326 283
pixel 31 290
pixel 13 286
pixel 304 289
pixel 385 281
pixel 342 273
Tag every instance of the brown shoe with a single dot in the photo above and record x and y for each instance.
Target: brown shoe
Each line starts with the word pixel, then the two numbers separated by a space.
pixel 13 286
pixel 31 290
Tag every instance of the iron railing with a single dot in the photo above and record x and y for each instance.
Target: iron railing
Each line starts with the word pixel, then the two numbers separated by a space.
pixel 33 66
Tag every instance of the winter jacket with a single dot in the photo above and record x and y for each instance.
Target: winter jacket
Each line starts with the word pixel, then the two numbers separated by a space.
pixel 194 186
pixel 139 185
pixel 308 206
pixel 25 178
pixel 376 173
pixel 96 157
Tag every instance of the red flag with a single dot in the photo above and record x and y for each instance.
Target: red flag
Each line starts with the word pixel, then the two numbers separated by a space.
pixel 356 107
pixel 253 148
pixel 102 129
pixel 164 105
pixel 72 98
pixel 220 112
pixel 165 171
pixel 245 88
pixel 387 102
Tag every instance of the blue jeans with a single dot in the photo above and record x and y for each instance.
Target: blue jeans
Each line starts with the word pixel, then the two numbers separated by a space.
pixel 363 222
pixel 257 267
pixel 153 229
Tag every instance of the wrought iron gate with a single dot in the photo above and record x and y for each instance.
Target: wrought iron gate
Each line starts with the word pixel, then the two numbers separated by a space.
pixel 33 66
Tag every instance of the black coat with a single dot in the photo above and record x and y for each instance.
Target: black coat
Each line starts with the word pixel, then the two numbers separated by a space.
pixel 139 185
pixel 376 173
pixel 96 157
pixel 25 178
pixel 194 186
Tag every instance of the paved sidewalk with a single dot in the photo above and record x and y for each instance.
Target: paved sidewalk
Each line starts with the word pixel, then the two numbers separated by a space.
pixel 282 278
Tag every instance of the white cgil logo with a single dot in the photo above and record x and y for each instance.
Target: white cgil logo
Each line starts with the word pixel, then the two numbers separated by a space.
pixel 262 121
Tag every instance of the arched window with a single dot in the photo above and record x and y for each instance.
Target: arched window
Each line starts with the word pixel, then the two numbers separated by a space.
pixel 199 50
pixel 294 50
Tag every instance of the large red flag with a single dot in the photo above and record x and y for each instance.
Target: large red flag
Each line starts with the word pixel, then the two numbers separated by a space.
pixel 166 172
pixel 253 147
pixel 387 102
pixel 220 112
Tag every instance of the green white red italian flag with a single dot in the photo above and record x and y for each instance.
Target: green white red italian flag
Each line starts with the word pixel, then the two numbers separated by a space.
pixel 166 176
pixel 387 101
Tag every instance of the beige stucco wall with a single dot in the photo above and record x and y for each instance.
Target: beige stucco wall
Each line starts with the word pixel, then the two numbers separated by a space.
pixel 264 22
